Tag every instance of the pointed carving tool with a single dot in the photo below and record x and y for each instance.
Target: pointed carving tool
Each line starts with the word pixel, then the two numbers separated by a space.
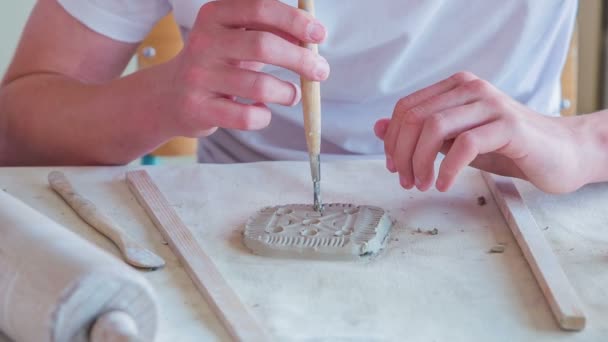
pixel 311 103
pixel 133 253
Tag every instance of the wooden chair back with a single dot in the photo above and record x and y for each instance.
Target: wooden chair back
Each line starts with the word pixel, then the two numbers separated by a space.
pixel 163 43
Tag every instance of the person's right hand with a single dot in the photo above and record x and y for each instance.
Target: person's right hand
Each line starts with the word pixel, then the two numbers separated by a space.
pixel 229 43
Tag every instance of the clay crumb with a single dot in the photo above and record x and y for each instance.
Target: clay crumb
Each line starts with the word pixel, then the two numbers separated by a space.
pixel 433 231
pixel 164 242
pixel 481 201
pixel 500 248
pixel 546 228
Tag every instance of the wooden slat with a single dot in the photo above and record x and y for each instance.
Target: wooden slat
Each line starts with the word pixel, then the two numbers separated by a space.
pixel 239 323
pixel 549 274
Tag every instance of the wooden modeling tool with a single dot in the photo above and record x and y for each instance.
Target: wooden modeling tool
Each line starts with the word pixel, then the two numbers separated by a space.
pixel 239 323
pixel 133 253
pixel 549 275
pixel 311 104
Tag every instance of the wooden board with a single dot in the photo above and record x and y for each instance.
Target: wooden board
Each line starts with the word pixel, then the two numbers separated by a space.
pixel 549 274
pixel 239 323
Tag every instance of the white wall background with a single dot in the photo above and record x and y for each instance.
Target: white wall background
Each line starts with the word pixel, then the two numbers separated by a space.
pixel 13 15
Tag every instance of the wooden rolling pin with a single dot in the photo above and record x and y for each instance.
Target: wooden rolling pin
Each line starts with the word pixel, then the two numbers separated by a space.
pixel 56 287
pixel 132 252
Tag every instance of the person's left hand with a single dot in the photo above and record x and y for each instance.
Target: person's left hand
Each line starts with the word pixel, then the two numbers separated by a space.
pixel 476 124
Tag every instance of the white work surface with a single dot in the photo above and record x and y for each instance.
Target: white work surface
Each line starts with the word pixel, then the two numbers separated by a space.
pixel 445 287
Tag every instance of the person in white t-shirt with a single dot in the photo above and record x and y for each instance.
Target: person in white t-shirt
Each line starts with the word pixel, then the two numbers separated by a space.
pixel 397 69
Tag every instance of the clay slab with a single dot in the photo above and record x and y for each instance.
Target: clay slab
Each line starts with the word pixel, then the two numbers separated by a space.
pixel 344 231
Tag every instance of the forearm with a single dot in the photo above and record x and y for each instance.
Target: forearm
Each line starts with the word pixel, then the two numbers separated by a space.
pixel 592 133
pixel 52 119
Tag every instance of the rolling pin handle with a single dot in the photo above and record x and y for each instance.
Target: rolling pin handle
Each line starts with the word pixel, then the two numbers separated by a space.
pixel 114 326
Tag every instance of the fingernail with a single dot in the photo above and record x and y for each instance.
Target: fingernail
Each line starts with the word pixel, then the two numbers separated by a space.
pixel 439 184
pixel 418 182
pixel 384 127
pixel 380 129
pixel 316 31
pixel 298 94
pixel 404 183
pixel 390 165
pixel 321 71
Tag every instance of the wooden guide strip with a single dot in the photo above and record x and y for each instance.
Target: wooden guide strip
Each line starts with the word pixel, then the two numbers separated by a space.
pixel 550 276
pixel 239 323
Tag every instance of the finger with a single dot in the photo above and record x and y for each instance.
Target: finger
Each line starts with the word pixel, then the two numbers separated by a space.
pixel 442 127
pixel 269 15
pixel 413 121
pixel 285 36
pixel 253 85
pixel 254 66
pixel 402 158
pixel 269 48
pixel 380 128
pixel 233 115
pixel 492 162
pixel 411 125
pixel 498 164
pixel 417 98
pixel 467 146
pixel 463 94
pixel 257 66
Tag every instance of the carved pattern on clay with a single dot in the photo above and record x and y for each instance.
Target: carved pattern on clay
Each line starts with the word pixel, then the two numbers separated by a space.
pixel 344 231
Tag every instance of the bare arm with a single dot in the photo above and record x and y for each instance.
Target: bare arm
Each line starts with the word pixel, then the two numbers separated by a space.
pixel 62 101
pixel 593 132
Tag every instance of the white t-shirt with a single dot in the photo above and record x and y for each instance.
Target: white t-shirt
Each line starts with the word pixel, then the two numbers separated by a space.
pixel 379 51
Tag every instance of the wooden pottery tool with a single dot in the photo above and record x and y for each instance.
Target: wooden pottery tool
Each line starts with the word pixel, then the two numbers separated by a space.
pixel 133 253
pixel 563 300
pixel 311 105
pixel 56 286
pixel 239 323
